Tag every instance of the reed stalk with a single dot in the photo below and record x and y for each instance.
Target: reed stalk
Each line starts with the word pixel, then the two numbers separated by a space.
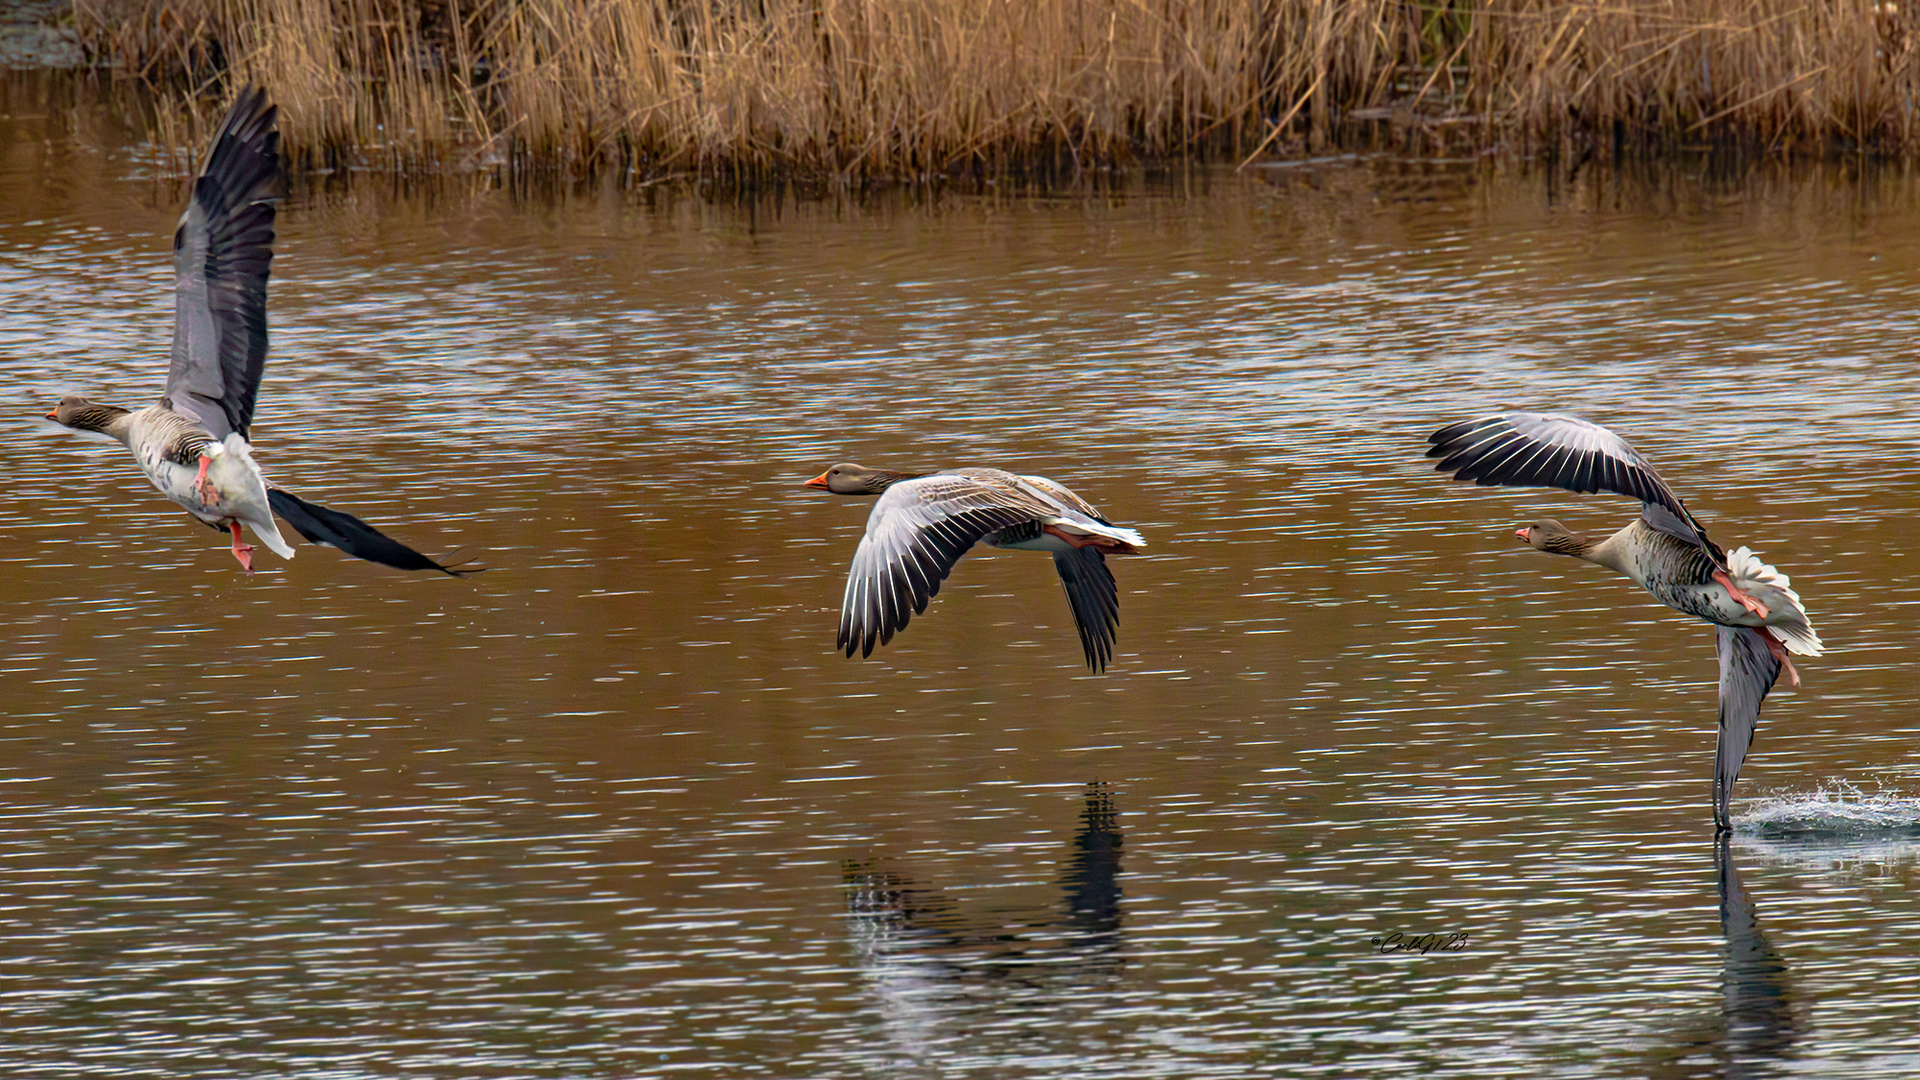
pixel 859 90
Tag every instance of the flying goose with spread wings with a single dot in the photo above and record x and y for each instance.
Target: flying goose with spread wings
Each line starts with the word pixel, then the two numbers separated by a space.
pixel 192 445
pixel 1758 617
pixel 924 523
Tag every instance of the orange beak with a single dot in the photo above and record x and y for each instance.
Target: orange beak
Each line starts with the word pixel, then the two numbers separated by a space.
pixel 54 415
pixel 1521 533
pixel 818 482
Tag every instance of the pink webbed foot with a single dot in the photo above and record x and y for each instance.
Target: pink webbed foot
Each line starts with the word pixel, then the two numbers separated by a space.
pixel 201 487
pixel 241 551
pixel 1744 600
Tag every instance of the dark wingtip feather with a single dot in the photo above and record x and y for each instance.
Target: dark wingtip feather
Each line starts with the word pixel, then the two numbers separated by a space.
pixel 1446 435
pixel 460 566
pixel 1095 601
pixel 337 529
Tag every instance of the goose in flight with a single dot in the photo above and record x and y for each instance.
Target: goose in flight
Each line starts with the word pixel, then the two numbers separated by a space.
pixel 192 445
pixel 1757 615
pixel 924 523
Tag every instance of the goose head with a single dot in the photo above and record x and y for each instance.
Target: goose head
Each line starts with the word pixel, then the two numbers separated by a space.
pixel 848 478
pixel 1549 535
pixel 81 414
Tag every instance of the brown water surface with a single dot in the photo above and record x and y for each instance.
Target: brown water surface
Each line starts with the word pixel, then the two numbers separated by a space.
pixel 616 808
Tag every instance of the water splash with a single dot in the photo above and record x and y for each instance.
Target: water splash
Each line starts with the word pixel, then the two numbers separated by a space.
pixel 1838 811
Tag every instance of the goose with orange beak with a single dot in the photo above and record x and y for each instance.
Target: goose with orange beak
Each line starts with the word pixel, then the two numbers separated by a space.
pixel 1758 617
pixel 924 523
pixel 192 444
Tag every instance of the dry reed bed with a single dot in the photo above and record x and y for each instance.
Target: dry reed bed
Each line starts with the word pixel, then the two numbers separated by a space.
pixel 862 89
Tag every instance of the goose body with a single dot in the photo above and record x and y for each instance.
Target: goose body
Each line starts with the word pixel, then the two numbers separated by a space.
pixel 168 447
pixel 192 444
pixel 1686 577
pixel 1666 551
pixel 923 524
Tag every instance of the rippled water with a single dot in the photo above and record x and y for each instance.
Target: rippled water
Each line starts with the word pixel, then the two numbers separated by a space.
pixel 616 808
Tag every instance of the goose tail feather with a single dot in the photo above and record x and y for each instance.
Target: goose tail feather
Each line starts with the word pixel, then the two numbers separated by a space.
pixel 1786 619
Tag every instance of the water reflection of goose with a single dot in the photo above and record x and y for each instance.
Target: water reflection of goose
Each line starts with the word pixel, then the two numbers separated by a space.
pixel 924 523
pixel 1666 551
pixel 192 444
pixel 934 967
pixel 1758 1021
pixel 1757 1000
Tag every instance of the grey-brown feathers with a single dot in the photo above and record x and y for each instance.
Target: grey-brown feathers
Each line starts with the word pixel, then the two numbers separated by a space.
pixel 849 478
pixel 1551 536
pixel 83 415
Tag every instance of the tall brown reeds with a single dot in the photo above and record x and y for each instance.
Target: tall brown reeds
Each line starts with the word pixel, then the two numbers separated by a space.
pixel 859 89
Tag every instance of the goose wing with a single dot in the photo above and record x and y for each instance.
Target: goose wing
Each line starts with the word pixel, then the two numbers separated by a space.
pixel 1090 587
pixel 221 254
pixel 1095 599
pixel 917 531
pixel 1545 450
pixel 1747 672
pixel 335 528
pixel 1063 495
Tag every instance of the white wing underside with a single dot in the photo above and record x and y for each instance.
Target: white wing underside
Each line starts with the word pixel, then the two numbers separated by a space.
pixel 917 531
pixel 920 528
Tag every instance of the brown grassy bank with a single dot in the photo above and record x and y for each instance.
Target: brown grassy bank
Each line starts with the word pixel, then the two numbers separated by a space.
pixel 863 89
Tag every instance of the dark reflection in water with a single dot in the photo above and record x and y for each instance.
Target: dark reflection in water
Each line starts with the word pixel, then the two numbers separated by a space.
pixel 1759 1019
pixel 891 914
pixel 942 971
pixel 1758 1004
